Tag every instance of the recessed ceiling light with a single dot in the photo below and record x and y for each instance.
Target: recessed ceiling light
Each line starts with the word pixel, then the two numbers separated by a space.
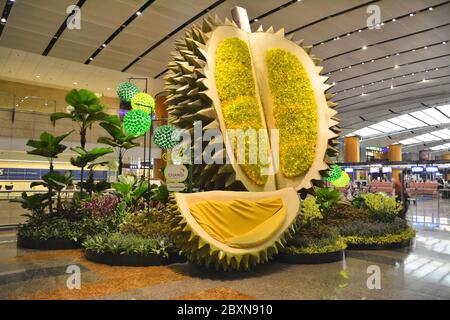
pixel 3 20
pixel 387 57
pixel 108 89
pixel 334 83
pixel 362 62
pixel 91 58
pixel 382 23
pixel 392 86
pixel 340 69
pixel 363 94
pixel 256 20
pixel 364 47
pixel 426 70
pixel 138 13
pixel 359 30
pixel 75 83
pixel 445 42
pixel 338 38
pixel 411 14
pixel 424 80
pixel 393 20
pixel 38 76
pixel 397 54
pixel 431 8
pixel 322 42
pixel 372 60
pixel 436 69
pixel 349 67
pixel 396 66
pixel 348 34
pixel 425 47
pixel 104 45
pixel 413 50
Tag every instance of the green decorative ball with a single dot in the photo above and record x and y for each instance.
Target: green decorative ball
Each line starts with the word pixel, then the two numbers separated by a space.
pixel 166 137
pixel 137 122
pixel 334 173
pixel 143 101
pixel 126 91
pixel 342 181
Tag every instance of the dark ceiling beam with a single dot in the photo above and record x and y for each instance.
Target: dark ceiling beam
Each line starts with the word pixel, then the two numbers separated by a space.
pixel 5 14
pixel 60 30
pixel 118 31
pixel 173 32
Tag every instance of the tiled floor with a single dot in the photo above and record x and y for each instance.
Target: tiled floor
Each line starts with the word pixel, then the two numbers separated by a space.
pixel 422 272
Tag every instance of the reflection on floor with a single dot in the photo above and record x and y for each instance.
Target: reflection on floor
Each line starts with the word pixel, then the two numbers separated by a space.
pixel 422 272
pixel 430 212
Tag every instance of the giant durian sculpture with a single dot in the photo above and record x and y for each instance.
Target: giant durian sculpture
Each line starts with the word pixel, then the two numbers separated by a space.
pixel 229 78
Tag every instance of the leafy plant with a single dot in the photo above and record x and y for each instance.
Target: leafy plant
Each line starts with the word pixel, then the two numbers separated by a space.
pixel 87 157
pixel 119 139
pixel 147 224
pixel 131 189
pixel 343 214
pixel 318 239
pixel 84 109
pixel 404 235
pixel 54 181
pixel 310 211
pixel 129 244
pixel 101 206
pixel 36 203
pixel 327 198
pixel 48 146
pixel 381 206
pixel 373 229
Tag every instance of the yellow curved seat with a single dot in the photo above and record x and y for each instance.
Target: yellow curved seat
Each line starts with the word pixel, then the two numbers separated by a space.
pixel 233 230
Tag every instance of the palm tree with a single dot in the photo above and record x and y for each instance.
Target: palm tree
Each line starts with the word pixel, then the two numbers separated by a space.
pixel 48 146
pixel 120 139
pixel 55 181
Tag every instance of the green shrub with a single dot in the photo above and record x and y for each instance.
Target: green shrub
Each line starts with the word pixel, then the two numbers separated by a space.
pixel 51 226
pixel 373 228
pixel 327 198
pixel 384 239
pixel 343 214
pixel 147 225
pixel 381 206
pixel 319 239
pixel 129 244
pixel 310 211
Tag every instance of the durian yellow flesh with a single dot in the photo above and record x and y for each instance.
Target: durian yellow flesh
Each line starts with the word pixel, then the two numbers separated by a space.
pixel 200 247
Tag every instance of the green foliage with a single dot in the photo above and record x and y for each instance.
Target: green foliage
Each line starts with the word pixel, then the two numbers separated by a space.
pixel 36 203
pixel 147 224
pixel 129 244
pixel 88 156
pixel 407 234
pixel 51 226
pixel 318 239
pixel 131 190
pixel 310 211
pixel 327 198
pixel 381 206
pixel 48 145
pixel 343 214
pixel 295 111
pixel 160 194
pixel 372 228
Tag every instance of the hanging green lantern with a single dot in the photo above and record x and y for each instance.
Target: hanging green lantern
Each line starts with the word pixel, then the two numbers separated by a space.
pixel 342 181
pixel 334 173
pixel 137 122
pixel 126 91
pixel 143 101
pixel 166 137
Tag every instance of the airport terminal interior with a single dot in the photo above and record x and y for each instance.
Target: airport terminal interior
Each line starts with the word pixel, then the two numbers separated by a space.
pixel 225 149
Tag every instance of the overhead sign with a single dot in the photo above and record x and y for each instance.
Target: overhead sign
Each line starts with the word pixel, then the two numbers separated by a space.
pixel 349 170
pixel 432 169
pixel 387 170
pixel 416 169
pixel 374 170
pixel 176 173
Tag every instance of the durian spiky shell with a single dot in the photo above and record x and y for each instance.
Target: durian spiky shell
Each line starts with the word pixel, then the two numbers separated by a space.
pixel 200 251
pixel 189 99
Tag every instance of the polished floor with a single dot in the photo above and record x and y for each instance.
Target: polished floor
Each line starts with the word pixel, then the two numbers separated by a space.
pixel 421 272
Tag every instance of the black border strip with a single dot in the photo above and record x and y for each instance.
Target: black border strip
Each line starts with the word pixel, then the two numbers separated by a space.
pixel 394 93
pixel 173 32
pixel 389 68
pixel 5 14
pixel 390 55
pixel 118 31
pixel 333 15
pixel 388 40
pixel 60 30
pixel 392 78
pixel 383 22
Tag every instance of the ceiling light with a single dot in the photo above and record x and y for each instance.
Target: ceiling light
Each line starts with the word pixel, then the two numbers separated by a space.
pixel 322 42
pixel 340 69
pixel 349 67
pixel 396 66
pixel 138 13
pixel 334 83
pixel 425 47
pixel 38 76
pixel 393 20
pixel 424 80
pixel 75 83
pixel 364 47
pixel 91 58
pixel 3 20
pixel 348 34
pixel 359 30
pixel 372 60
pixel 108 89
pixel 387 57
pixel 392 86
pixel 397 54
pixel 338 38
pixel 413 50
pixel 382 23
pixel 445 42
pixel 363 94
pixel 411 14
pixel 104 45
pixel 362 62
pixel 430 8
pixel 256 20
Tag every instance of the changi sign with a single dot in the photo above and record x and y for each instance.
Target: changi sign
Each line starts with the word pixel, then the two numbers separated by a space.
pixel 175 176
